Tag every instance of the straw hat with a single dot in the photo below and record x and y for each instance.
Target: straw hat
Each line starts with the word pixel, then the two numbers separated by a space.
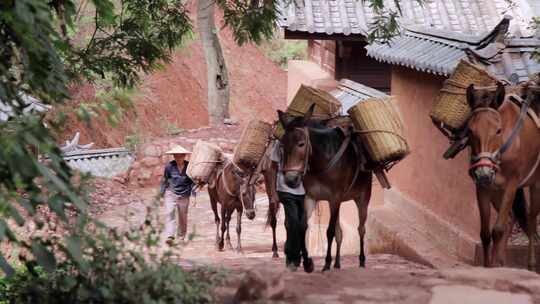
pixel 178 150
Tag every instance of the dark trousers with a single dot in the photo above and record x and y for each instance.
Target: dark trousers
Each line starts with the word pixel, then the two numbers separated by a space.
pixel 296 226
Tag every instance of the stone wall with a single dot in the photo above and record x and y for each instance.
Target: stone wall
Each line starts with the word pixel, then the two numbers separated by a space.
pixel 150 161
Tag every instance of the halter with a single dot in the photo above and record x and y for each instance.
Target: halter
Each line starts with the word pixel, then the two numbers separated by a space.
pixel 228 190
pixel 331 164
pixel 493 159
pixel 309 149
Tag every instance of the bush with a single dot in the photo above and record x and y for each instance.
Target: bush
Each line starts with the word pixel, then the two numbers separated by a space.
pixel 281 51
pixel 112 267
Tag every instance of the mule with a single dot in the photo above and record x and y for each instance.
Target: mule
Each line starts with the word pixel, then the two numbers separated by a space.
pixel 505 153
pixel 329 165
pixel 273 200
pixel 233 190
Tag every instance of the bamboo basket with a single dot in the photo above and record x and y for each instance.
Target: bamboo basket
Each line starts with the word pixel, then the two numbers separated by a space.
pixel 379 123
pixel 204 160
pixel 451 107
pixel 326 106
pixel 252 145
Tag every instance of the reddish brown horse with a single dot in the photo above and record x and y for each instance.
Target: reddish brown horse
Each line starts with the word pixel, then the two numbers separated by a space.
pixel 328 162
pixel 232 188
pixel 505 153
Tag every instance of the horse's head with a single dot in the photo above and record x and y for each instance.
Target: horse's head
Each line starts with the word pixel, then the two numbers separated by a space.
pixel 295 146
pixel 247 197
pixel 485 132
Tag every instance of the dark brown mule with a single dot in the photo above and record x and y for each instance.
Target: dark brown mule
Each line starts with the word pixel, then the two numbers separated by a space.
pixel 273 200
pixel 505 152
pixel 327 161
pixel 231 188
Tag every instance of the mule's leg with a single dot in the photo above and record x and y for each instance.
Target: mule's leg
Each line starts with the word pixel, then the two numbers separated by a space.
pixel 485 215
pixel 501 227
pixel 229 216
pixel 213 203
pixel 273 223
pixel 239 229
pixel 532 233
pixel 330 233
pixel 339 239
pixel 223 227
pixel 362 204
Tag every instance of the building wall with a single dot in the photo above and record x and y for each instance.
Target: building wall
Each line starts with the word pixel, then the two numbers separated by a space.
pixel 441 186
pixel 323 53
pixel 353 63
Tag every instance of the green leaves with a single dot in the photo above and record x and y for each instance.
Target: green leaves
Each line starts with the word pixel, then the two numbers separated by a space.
pixel 44 256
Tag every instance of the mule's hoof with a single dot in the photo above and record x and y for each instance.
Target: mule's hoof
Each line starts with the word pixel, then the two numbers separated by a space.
pixel 337 266
pixel 326 268
pixel 275 255
pixel 532 267
pixel 362 264
pixel 308 265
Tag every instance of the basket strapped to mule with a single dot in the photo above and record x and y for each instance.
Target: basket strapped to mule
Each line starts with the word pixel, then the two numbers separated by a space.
pixel 252 145
pixel 204 160
pixel 451 108
pixel 378 122
pixel 326 106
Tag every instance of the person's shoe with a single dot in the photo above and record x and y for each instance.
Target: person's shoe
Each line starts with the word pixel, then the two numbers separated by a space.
pixel 308 265
pixel 170 241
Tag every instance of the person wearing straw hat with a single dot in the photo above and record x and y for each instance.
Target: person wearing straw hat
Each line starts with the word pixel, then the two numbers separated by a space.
pixel 176 189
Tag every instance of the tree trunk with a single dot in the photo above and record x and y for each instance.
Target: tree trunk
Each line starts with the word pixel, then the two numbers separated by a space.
pixel 218 78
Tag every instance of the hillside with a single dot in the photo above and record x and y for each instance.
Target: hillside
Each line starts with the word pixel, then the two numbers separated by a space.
pixel 174 98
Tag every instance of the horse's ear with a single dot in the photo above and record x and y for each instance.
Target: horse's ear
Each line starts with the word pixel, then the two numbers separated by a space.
pixel 309 113
pixel 500 93
pixel 470 96
pixel 284 118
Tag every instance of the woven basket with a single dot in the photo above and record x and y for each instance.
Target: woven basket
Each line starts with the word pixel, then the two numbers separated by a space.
pixel 326 106
pixel 252 145
pixel 204 159
pixel 380 125
pixel 451 107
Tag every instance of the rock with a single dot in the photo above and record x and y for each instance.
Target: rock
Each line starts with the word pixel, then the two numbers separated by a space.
pixel 468 294
pixel 151 150
pixel 150 161
pixel 226 146
pixel 229 121
pixel 255 286
pixel 119 179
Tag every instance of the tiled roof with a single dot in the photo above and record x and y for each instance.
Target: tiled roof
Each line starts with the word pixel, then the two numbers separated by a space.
pixel 354 16
pixel 429 52
pixel 31 105
pixel 350 93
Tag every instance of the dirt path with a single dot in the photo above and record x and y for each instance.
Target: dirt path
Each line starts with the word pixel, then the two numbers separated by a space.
pixel 386 279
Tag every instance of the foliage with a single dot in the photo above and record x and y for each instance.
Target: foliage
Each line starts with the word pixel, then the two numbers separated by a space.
pixel 113 267
pixel 385 25
pixel 39 58
pixel 281 51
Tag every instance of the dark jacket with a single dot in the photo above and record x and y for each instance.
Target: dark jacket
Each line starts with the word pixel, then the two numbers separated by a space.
pixel 174 180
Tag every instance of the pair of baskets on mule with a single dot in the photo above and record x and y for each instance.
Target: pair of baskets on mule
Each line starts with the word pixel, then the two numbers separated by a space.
pixel 206 157
pixel 377 122
pixel 451 109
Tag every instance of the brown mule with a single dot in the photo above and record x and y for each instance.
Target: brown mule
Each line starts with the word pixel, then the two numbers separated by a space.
pixel 328 162
pixel 505 152
pixel 273 200
pixel 233 189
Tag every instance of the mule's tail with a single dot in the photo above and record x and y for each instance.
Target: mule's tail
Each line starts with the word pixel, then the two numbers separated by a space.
pixel 519 209
pixel 271 215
